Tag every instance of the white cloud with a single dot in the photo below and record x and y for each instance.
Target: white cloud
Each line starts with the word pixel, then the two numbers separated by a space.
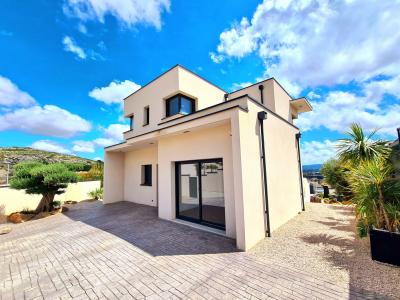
pixel 315 152
pixel 71 46
pixel 339 109
pixel 128 12
pixel 83 146
pixel 238 86
pixel 376 89
pixel 115 92
pixel 114 131
pixel 51 146
pixel 82 28
pixel 104 142
pixel 217 58
pixel 313 95
pixel 319 42
pixel 49 120
pixel 111 135
pixel 11 95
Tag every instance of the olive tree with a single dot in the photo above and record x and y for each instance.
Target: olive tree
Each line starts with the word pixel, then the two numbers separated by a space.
pixel 47 180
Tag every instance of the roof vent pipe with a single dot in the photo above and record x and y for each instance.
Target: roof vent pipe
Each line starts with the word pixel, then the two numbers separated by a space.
pixel 226 97
pixel 261 88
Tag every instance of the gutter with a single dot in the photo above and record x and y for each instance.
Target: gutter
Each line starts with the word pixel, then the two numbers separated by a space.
pixel 261 116
pixel 298 136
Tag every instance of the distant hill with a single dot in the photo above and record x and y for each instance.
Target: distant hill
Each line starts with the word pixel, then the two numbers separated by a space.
pixel 14 155
pixel 312 168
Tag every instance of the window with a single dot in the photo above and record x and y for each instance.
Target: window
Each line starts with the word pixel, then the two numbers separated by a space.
pixel 131 121
pixel 179 104
pixel 146 175
pixel 146 116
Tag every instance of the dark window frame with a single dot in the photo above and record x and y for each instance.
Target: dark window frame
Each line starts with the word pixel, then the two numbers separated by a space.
pixel 198 162
pixel 179 96
pixel 146 115
pixel 131 122
pixel 147 175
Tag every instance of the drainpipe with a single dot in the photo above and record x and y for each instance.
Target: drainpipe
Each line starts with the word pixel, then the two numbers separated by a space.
pixel 261 116
pixel 226 97
pixel 261 88
pixel 298 136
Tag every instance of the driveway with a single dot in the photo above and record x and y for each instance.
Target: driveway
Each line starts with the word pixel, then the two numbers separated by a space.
pixel 123 251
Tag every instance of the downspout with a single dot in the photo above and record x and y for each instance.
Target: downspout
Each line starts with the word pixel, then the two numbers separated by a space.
pixel 261 116
pixel 298 136
pixel 261 88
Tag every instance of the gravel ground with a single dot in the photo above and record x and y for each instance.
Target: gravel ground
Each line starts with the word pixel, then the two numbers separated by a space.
pixel 322 241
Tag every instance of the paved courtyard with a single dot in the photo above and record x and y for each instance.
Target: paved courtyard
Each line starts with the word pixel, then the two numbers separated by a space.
pixel 123 251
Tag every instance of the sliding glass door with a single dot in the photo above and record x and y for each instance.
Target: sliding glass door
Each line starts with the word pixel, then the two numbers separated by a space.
pixel 189 196
pixel 200 192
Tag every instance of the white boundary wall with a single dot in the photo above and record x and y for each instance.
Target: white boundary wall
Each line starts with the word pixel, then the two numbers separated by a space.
pixel 17 200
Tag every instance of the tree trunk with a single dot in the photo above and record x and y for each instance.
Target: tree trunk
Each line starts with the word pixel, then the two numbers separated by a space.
pixel 46 203
pixel 382 205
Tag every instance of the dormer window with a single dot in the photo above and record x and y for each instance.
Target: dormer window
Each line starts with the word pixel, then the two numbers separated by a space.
pixel 179 104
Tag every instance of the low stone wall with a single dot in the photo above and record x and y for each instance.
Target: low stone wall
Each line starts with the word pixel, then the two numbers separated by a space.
pixel 306 190
pixel 17 200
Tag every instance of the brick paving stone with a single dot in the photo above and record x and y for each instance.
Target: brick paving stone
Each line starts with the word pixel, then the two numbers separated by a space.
pixel 123 251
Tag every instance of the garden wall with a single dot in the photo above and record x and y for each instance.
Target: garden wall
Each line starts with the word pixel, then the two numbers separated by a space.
pixel 17 200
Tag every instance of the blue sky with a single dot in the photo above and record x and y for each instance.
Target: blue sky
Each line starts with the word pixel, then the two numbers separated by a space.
pixel 75 59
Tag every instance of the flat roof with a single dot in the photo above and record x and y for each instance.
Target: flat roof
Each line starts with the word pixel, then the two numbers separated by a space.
pixel 170 69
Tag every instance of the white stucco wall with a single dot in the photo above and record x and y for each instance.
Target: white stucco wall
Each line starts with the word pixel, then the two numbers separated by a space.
pixel 133 190
pixel 284 195
pixel 275 97
pixel 254 92
pixel 201 144
pixel 114 172
pixel 177 80
pixel 232 135
pixel 283 171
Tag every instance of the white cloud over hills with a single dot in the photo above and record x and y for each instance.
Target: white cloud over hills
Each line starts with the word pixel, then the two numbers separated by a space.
pixel 49 120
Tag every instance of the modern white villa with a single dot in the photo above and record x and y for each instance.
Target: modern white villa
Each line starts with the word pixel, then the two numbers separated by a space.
pixel 229 161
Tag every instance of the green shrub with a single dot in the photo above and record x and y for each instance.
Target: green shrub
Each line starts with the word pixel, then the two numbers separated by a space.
pixel 96 194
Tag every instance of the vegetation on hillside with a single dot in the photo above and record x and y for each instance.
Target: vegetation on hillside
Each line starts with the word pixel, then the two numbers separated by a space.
pixel 15 155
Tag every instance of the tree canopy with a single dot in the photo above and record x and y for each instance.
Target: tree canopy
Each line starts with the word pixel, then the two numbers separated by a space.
pixel 45 179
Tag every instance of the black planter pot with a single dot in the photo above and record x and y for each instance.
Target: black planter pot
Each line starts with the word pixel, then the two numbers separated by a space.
pixel 385 246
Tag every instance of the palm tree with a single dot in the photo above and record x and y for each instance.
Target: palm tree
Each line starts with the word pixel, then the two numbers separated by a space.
pixel 376 194
pixel 358 147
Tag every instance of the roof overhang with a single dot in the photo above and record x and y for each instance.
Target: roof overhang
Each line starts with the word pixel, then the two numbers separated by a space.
pixel 301 105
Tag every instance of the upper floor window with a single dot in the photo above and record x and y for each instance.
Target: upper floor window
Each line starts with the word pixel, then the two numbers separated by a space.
pixel 179 104
pixel 146 116
pixel 131 122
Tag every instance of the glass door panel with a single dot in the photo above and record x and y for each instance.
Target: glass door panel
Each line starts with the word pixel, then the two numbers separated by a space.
pixel 212 192
pixel 188 191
